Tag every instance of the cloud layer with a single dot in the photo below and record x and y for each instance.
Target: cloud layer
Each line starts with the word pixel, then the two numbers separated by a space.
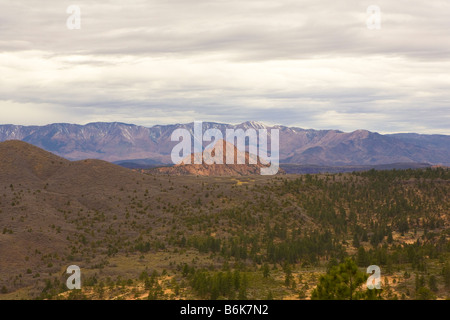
pixel 311 64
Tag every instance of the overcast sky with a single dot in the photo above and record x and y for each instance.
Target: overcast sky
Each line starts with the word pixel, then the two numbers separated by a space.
pixel 311 64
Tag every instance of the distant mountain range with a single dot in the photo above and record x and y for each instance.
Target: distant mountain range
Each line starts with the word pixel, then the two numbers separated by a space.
pixel 132 144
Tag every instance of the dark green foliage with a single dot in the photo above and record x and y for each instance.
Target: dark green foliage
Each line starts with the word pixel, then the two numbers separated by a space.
pixel 446 275
pixel 424 293
pixel 342 282
pixel 266 270
pixel 214 285
pixel 432 283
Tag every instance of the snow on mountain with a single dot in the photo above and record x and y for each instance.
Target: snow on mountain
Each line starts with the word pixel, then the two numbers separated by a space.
pixel 119 141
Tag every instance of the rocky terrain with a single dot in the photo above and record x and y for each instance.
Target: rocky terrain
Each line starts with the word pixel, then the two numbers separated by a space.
pixel 209 168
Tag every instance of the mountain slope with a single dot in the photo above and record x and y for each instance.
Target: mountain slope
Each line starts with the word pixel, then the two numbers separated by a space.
pixel 45 203
pixel 252 164
pixel 121 226
pixel 118 142
pixel 20 160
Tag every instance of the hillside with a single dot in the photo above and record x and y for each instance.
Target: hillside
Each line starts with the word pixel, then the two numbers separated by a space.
pixel 139 236
pixel 38 188
pixel 252 163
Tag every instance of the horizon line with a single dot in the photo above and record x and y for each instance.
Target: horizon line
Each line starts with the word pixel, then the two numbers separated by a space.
pixel 221 123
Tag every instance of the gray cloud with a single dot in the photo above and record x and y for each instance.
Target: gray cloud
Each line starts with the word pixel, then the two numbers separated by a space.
pixel 303 63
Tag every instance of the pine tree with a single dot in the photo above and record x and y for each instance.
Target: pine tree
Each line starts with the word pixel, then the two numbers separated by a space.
pixel 342 282
pixel 446 275
pixel 362 257
pixel 432 283
pixel 266 270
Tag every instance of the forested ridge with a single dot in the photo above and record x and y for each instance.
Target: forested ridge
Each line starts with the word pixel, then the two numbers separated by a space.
pixel 257 237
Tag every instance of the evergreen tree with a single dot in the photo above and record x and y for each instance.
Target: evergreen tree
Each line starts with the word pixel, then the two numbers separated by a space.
pixel 432 283
pixel 446 275
pixel 266 270
pixel 362 257
pixel 342 282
